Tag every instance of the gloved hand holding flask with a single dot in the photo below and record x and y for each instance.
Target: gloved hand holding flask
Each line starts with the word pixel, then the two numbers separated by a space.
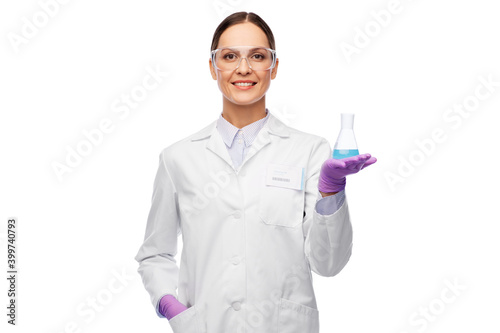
pixel 346 159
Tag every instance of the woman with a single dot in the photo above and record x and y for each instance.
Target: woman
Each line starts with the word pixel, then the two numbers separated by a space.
pixel 259 205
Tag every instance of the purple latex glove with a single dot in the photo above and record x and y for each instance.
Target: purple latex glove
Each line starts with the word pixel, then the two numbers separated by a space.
pixel 333 171
pixel 170 306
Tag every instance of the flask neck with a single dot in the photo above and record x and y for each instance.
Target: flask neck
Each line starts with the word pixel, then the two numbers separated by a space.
pixel 347 120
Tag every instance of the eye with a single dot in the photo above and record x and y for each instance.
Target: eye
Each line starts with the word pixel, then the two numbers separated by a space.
pixel 229 56
pixel 258 56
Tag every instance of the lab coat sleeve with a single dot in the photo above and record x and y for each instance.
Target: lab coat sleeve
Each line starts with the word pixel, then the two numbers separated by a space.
pixel 157 265
pixel 328 237
pixel 329 204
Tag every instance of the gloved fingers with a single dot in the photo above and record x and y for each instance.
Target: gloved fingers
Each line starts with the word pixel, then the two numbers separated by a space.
pixel 363 161
pixel 356 162
pixel 359 166
pixel 371 161
pixel 350 165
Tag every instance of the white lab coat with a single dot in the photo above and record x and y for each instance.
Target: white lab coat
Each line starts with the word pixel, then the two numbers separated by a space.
pixel 248 249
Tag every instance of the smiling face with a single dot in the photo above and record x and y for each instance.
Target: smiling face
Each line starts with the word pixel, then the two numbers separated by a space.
pixel 243 34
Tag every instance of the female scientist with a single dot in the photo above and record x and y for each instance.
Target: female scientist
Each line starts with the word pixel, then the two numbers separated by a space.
pixel 259 205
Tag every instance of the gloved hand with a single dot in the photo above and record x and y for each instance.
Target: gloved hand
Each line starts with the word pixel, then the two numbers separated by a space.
pixel 333 171
pixel 170 306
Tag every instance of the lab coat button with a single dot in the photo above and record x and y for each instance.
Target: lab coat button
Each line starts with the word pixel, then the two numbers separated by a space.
pixel 237 215
pixel 236 306
pixel 235 260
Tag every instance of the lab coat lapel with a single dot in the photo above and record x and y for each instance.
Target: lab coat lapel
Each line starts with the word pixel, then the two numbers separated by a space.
pixel 217 145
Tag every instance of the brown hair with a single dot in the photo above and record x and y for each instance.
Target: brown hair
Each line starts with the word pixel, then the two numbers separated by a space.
pixel 241 17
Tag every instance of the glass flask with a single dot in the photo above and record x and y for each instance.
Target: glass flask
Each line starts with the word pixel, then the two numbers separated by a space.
pixel 346 146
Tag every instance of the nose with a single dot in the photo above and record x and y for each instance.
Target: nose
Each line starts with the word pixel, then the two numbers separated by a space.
pixel 243 67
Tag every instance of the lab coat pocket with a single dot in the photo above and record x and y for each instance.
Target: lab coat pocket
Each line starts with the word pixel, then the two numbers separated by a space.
pixel 281 206
pixel 294 317
pixel 187 321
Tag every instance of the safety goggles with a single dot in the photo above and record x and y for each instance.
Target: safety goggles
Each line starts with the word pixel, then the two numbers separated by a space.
pixel 258 58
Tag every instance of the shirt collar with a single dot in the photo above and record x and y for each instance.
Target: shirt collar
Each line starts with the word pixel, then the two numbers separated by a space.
pixel 228 131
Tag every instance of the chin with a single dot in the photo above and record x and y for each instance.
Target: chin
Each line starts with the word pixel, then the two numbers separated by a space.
pixel 246 101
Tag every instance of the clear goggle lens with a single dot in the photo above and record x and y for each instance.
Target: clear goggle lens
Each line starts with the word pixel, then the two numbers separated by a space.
pixel 258 58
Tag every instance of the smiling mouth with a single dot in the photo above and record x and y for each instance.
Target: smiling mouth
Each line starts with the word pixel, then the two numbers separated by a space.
pixel 244 84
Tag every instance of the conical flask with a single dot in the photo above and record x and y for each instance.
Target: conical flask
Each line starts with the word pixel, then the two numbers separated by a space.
pixel 346 142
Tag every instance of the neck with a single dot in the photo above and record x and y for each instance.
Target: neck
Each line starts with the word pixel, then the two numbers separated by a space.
pixel 243 115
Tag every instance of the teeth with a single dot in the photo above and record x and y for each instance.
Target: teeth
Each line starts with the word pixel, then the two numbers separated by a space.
pixel 243 84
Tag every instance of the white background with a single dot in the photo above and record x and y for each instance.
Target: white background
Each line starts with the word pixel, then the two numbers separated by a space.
pixel 437 223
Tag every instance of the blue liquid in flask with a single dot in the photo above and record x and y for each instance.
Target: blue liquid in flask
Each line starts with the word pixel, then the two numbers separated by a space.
pixel 346 145
pixel 343 153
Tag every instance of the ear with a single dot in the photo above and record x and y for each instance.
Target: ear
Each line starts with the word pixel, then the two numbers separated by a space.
pixel 212 70
pixel 275 69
